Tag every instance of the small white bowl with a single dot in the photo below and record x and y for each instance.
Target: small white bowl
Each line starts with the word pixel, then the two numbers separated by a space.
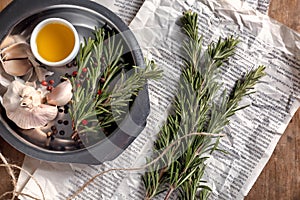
pixel 34 47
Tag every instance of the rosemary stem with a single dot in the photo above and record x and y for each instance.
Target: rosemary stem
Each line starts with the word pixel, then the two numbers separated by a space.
pixel 170 192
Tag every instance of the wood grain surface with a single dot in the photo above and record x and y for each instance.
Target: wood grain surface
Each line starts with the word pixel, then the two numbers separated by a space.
pixel 280 179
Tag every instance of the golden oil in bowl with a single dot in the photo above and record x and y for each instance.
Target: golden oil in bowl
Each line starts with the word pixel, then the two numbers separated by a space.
pixel 55 42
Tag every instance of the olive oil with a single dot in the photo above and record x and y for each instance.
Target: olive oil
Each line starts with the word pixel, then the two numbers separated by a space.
pixel 55 42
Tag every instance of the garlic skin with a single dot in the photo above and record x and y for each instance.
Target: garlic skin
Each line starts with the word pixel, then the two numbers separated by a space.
pixel 61 94
pixel 24 106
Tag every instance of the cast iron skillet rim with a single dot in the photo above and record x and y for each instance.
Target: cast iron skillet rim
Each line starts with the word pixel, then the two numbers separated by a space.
pixel 15 13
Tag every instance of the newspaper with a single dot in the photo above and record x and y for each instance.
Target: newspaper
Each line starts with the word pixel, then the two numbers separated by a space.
pixel 127 10
pixel 252 134
pixel 260 5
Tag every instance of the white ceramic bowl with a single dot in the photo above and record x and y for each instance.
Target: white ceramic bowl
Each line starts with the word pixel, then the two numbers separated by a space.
pixel 34 47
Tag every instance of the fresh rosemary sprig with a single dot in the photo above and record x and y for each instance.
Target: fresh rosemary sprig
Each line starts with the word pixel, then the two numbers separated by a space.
pixel 196 109
pixel 128 85
pixel 85 84
pixel 102 87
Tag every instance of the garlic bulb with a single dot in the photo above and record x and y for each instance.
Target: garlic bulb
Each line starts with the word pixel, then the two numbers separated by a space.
pixel 61 94
pixel 24 106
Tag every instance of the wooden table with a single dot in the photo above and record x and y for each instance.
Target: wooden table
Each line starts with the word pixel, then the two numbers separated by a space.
pixel 280 179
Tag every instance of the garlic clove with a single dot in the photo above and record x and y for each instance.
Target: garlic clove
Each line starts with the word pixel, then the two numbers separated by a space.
pixel 61 94
pixel 7 42
pixel 15 51
pixel 5 79
pixel 17 67
pixel 11 40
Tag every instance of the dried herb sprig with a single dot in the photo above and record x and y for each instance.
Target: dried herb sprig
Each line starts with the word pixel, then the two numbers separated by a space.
pixel 195 110
pixel 102 86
